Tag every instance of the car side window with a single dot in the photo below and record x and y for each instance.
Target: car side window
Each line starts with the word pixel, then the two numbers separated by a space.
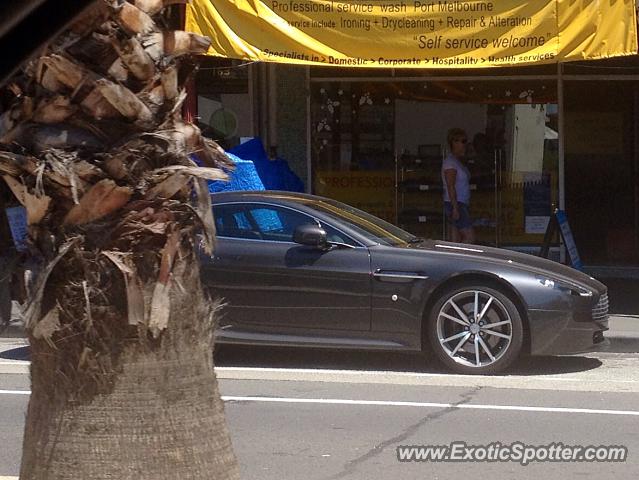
pixel 266 222
pixel 259 222
pixel 335 236
pixel 233 221
pixel 278 224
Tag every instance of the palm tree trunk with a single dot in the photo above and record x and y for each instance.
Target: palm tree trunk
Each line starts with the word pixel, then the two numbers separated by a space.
pixel 95 148
pixel 162 418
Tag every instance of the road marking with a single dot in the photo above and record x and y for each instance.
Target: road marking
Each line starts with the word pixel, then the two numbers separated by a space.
pixel 385 403
pixel 463 406
pixel 9 478
pixel 614 375
pixel 374 373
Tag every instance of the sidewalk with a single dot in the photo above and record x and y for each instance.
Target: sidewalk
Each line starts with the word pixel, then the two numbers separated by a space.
pixel 623 336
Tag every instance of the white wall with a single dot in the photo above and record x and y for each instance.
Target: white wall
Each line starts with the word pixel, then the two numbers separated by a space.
pixel 238 103
pixel 528 138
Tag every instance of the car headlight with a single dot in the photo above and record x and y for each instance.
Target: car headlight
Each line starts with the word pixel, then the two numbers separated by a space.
pixel 568 288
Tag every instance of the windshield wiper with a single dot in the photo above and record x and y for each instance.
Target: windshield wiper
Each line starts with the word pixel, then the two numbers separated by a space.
pixel 415 240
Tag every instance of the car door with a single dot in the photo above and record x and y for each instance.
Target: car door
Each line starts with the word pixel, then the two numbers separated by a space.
pixel 268 281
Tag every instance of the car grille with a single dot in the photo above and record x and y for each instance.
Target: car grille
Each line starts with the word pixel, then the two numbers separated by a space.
pixel 600 311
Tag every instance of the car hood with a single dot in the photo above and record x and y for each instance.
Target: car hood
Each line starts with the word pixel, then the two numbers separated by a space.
pixel 500 256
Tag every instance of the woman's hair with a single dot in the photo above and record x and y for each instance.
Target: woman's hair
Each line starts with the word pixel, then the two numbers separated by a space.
pixel 455 134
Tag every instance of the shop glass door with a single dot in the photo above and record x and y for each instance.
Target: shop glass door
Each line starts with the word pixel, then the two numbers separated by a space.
pixel 352 145
pixel 379 146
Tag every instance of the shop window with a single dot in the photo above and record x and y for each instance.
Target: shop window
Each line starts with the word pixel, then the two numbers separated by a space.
pixel 371 141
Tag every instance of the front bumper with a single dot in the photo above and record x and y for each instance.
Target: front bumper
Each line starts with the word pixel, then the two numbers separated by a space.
pixel 560 333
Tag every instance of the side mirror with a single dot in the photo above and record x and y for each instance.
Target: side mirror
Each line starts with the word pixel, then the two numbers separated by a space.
pixel 310 235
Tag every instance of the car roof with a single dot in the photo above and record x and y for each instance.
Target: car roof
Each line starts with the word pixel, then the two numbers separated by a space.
pixel 263 195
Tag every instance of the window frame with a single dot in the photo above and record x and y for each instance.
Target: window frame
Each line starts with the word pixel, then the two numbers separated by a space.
pixel 323 224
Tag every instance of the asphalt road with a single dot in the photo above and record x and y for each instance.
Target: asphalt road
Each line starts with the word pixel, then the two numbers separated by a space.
pixel 327 415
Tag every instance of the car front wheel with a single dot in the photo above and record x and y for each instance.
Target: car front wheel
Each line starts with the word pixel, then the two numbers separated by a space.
pixel 475 330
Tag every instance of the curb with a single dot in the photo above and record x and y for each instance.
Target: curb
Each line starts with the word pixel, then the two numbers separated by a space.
pixel 615 344
pixel 620 343
pixel 14 367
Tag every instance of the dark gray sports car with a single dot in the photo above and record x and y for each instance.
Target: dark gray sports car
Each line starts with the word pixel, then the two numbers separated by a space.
pixel 309 271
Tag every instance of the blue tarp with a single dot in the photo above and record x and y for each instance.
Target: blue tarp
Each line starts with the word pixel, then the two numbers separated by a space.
pixel 244 177
pixel 275 174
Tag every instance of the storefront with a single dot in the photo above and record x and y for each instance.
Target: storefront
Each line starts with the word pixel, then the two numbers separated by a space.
pixel 541 137
pixel 539 140
pixel 379 143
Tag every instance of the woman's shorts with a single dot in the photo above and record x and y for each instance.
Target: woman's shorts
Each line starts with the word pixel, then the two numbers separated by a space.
pixel 464 220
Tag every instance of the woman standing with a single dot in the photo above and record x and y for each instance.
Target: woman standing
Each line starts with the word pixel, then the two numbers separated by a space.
pixel 456 181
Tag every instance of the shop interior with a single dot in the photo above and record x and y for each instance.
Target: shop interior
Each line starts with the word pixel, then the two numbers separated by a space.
pixel 379 146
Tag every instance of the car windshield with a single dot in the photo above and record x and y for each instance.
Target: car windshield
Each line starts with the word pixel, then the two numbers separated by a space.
pixel 371 227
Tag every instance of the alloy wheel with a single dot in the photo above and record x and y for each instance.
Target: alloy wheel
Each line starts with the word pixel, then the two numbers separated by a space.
pixel 474 328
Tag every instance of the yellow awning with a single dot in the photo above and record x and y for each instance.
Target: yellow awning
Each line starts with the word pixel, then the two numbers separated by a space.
pixel 416 33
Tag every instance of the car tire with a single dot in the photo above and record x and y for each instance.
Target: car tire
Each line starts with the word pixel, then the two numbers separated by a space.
pixel 474 329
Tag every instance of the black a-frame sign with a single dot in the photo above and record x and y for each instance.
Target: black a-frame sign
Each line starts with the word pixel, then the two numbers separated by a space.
pixel 559 220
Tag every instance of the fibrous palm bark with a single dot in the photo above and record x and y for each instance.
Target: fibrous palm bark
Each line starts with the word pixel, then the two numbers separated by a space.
pixel 95 148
